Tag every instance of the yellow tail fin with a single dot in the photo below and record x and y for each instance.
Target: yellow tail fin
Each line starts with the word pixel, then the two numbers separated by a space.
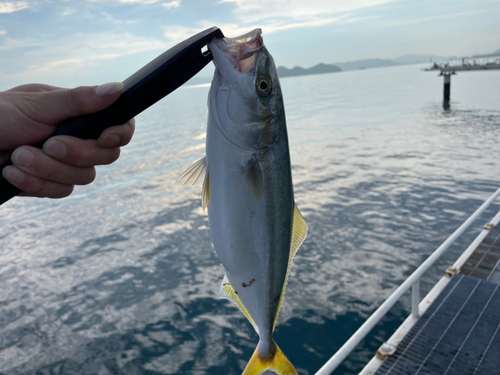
pixel 278 364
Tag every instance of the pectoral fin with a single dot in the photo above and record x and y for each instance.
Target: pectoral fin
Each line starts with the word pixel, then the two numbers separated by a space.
pixel 253 176
pixel 205 191
pixel 299 233
pixel 197 174
pixel 227 291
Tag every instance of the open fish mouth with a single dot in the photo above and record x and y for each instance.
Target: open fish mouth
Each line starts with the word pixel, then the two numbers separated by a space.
pixel 242 51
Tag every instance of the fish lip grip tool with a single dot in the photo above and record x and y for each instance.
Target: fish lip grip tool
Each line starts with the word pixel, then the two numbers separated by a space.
pixel 142 89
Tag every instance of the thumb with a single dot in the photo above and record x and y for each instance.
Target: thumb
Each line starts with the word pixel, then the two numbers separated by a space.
pixel 56 106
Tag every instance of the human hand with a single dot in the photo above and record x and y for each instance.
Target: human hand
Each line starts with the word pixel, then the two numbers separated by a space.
pixel 31 113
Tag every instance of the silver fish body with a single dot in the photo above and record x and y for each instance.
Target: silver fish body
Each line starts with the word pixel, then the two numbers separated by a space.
pixel 247 188
pixel 250 212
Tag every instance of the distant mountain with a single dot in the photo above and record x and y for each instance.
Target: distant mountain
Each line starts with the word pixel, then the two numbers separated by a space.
pixel 299 71
pixel 412 59
pixel 355 65
pixel 496 53
pixel 359 64
pixel 417 59
pixel 365 64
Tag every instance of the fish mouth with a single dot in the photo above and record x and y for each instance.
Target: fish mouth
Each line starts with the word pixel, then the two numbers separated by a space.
pixel 241 52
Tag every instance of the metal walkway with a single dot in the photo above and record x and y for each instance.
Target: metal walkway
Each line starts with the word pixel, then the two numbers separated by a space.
pixel 457 335
pixel 446 333
pixel 484 263
pixel 460 332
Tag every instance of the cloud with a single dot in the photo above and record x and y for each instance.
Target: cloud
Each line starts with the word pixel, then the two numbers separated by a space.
pixel 280 15
pixel 69 54
pixel 3 32
pixel 12 44
pixel 138 1
pixel 68 12
pixel 257 11
pixel 127 1
pixel 98 46
pixel 168 5
pixel 110 20
pixel 172 4
pixel 410 21
pixel 13 6
pixel 179 33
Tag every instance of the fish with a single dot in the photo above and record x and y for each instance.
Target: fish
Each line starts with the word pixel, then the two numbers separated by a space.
pixel 246 179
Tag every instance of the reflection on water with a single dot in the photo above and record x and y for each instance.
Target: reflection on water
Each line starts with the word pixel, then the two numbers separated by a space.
pixel 121 278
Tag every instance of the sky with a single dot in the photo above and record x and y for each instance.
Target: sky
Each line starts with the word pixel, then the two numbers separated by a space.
pixel 75 42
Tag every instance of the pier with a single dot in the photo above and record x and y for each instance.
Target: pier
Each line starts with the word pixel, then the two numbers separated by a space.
pixel 450 68
pixel 460 331
pixel 455 328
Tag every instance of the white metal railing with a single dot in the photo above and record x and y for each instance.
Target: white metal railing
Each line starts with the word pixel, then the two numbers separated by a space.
pixel 413 281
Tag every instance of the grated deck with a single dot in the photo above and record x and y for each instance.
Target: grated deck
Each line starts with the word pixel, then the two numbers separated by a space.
pixel 457 335
pixel 484 263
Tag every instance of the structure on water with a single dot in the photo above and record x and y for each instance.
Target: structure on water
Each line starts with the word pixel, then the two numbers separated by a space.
pixel 466 64
pixel 455 329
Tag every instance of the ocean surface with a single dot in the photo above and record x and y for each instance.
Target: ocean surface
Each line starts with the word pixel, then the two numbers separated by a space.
pixel 121 277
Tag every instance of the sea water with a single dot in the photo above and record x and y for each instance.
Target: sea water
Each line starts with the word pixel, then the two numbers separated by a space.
pixel 121 277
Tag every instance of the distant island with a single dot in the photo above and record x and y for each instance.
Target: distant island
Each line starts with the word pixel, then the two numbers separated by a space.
pixel 356 65
pixel 322 68
pixel 369 64
pixel 494 54
pixel 366 64
pixel 316 69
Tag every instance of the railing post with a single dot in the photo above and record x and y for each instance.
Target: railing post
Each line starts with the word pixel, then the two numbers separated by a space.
pixel 415 298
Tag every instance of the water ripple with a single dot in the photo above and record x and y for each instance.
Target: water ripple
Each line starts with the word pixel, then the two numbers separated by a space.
pixel 121 278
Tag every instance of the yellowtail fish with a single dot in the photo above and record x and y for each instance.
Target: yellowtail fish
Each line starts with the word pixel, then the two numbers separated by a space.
pixel 255 225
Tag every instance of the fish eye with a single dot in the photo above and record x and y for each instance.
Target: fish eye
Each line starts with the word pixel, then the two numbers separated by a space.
pixel 263 85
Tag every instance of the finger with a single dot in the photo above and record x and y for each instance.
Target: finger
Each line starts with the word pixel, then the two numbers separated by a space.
pixel 35 162
pixel 35 187
pixel 53 107
pixel 35 87
pixel 79 152
pixel 117 136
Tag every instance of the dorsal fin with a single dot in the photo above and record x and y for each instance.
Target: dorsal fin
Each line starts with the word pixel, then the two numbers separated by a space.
pixel 197 174
pixel 227 291
pixel 299 233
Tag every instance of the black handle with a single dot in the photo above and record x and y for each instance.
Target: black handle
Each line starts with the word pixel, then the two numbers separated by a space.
pixel 151 83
